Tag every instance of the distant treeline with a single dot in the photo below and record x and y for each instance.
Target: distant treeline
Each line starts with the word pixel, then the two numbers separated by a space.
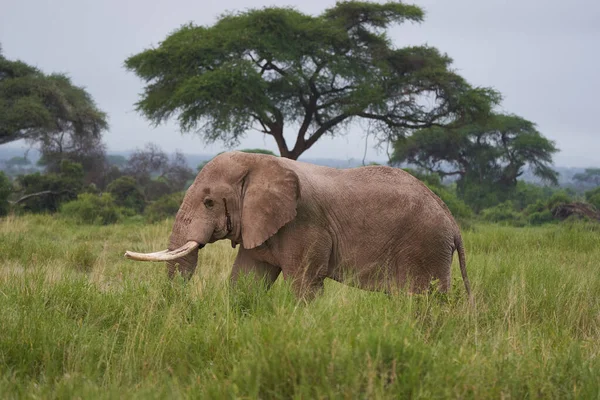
pixel 150 185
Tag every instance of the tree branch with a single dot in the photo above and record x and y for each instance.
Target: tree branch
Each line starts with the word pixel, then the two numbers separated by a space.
pixel 262 124
pixel 324 128
pixel 443 174
pixel 45 192
pixel 387 119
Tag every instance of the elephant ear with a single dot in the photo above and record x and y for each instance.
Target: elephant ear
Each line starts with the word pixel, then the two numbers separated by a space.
pixel 271 196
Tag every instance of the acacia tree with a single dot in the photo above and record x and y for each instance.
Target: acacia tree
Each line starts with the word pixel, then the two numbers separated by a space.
pixel 271 68
pixel 487 156
pixel 45 108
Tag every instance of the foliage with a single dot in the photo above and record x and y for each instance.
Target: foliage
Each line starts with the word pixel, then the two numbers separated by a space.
pixel 503 213
pixel 259 151
pixel 91 209
pixel 537 212
pixel 269 68
pixel 126 193
pixel 487 156
pixel 5 191
pixel 593 197
pixel 540 217
pixel 590 177
pixel 156 173
pixel 165 207
pixel 47 191
pixel 44 108
pixel 526 194
pixel 88 151
pixel 80 321
pixel 111 173
pixel 560 197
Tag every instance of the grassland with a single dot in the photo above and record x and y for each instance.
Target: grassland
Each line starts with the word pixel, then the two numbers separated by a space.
pixel 78 320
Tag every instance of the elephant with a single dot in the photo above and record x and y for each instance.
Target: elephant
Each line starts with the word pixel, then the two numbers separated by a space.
pixel 376 227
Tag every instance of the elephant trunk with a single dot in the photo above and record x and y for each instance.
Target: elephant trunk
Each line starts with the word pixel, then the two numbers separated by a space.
pixel 187 263
pixel 187 237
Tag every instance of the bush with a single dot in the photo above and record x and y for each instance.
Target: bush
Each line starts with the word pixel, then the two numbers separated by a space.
pixel 504 213
pixel 165 207
pixel 157 188
pixel 5 190
pixel 259 151
pixel 479 195
pixel 60 187
pixel 126 193
pixel 537 207
pixel 558 198
pixel 91 209
pixel 526 194
pixel 540 217
pixel 593 197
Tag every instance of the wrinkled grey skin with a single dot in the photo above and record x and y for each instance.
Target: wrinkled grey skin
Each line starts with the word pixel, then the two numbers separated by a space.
pixel 375 227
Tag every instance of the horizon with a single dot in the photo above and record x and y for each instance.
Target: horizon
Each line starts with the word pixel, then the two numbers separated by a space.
pixel 306 157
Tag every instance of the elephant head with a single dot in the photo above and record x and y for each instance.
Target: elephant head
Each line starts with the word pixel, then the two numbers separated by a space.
pixel 243 197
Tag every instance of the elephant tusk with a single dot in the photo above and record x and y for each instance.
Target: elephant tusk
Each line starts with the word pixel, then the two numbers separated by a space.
pixel 165 255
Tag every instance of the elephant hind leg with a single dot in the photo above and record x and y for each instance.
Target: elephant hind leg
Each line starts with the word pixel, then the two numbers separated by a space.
pixel 308 290
pixel 420 272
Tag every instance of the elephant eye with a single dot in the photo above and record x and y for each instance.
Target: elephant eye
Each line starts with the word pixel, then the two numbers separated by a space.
pixel 208 203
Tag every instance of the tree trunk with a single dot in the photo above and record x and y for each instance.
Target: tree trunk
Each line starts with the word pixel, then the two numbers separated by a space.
pixel 284 151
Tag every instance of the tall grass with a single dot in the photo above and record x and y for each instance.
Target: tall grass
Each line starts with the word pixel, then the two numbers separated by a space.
pixel 78 320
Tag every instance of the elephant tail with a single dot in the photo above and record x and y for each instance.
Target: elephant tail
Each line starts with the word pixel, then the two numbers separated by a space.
pixel 460 249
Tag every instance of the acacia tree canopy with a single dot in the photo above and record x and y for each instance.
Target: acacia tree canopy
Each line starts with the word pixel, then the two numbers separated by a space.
pixel 492 153
pixel 271 68
pixel 45 108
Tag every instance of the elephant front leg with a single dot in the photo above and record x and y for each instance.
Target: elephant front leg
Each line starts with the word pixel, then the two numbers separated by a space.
pixel 307 271
pixel 303 252
pixel 246 266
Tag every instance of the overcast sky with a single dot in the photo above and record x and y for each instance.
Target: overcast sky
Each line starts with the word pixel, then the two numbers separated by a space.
pixel 543 56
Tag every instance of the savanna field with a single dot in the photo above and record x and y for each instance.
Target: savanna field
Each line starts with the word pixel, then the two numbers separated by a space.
pixel 77 320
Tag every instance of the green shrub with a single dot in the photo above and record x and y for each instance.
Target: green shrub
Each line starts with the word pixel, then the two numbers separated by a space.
pixel 54 188
pixel 540 217
pixel 126 193
pixel 157 188
pixel 5 190
pixel 503 213
pixel 593 197
pixel 165 207
pixel 537 207
pixel 259 151
pixel 558 198
pixel 526 194
pixel 91 209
